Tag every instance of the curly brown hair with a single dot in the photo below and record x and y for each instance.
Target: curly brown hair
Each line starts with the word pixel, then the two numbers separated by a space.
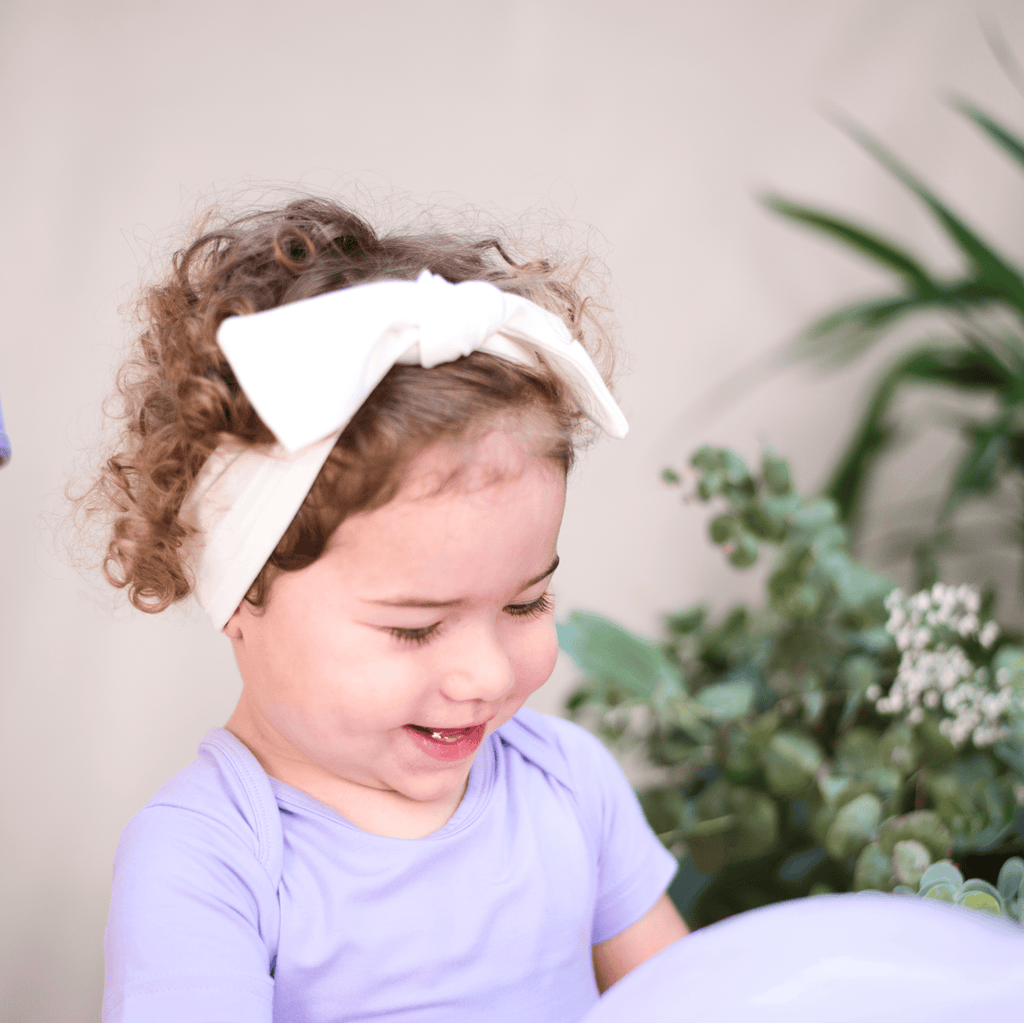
pixel 179 399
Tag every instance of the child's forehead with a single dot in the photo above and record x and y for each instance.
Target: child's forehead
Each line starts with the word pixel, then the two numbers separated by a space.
pixel 498 455
pixel 498 480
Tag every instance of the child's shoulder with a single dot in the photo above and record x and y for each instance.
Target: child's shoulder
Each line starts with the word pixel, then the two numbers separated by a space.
pixel 557 746
pixel 221 800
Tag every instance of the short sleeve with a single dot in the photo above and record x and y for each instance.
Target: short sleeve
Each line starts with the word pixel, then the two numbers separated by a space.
pixel 191 904
pixel 634 868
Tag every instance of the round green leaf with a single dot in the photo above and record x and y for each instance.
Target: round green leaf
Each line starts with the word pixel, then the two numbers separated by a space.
pixel 689 620
pixel 1010 659
pixel 942 872
pixel 830 537
pixel 790 762
pixel 691 717
pixel 855 584
pixel 781 506
pixel 831 786
pixel 924 826
pixel 727 700
pixel 873 869
pixel 614 655
pixel 898 747
pixel 814 702
pixel 736 470
pixel 1011 876
pixel 709 485
pixel 721 529
pixel 761 523
pixel 744 554
pixel 942 891
pixel 757 823
pixel 976 886
pixel 910 860
pixel 980 900
pixel 858 672
pixel 854 826
pixel 886 781
pixel 856 752
pixel 706 458
pixel 803 602
pixel 713 802
pixel 816 515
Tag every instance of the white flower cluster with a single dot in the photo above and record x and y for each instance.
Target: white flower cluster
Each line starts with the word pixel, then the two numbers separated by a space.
pixel 935 669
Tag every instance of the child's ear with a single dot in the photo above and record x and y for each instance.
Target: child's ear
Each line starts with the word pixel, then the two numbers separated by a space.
pixel 233 627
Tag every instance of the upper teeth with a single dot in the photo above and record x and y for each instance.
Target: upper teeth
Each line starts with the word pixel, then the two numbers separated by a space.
pixel 437 735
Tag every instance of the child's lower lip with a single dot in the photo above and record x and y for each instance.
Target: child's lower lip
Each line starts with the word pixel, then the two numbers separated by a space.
pixel 458 749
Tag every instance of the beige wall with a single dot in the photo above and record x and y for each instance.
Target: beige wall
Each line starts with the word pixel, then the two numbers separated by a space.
pixel 656 122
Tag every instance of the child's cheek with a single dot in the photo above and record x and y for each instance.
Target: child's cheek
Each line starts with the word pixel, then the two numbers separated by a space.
pixel 543 660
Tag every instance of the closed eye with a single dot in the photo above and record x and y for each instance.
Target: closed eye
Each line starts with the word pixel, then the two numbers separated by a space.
pixel 418 637
pixel 537 607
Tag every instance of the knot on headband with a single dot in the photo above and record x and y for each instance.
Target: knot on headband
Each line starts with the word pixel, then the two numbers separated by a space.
pixel 308 366
pixel 453 318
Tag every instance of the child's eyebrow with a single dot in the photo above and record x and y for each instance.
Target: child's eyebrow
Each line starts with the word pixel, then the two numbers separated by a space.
pixel 420 602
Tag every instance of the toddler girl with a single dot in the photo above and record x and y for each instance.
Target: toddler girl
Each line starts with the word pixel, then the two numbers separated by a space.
pixel 352 450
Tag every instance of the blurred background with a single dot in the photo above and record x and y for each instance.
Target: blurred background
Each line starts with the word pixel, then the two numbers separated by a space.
pixel 646 132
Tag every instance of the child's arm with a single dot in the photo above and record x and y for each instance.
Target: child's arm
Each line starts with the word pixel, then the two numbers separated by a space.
pixel 654 931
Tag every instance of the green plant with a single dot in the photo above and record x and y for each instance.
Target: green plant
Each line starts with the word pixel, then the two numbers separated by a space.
pixel 980 350
pixel 783 776
pixel 944 882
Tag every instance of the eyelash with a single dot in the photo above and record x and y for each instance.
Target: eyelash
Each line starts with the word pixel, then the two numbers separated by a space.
pixel 418 637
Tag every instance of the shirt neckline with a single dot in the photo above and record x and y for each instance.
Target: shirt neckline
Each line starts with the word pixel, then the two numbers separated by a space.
pixel 481 782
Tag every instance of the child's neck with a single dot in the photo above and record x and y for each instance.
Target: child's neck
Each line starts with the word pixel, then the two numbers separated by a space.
pixel 377 811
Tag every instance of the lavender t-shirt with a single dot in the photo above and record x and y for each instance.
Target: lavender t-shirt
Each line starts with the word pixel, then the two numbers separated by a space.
pixel 239 899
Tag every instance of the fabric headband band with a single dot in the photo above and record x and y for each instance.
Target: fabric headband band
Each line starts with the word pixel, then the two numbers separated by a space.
pixel 308 366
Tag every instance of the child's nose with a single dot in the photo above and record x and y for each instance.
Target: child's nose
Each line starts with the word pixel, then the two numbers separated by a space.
pixel 480 670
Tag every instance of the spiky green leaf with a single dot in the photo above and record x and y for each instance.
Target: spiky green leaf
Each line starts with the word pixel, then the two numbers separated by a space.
pixel 991 269
pixel 961 368
pixel 883 251
pixel 1005 139
pixel 980 469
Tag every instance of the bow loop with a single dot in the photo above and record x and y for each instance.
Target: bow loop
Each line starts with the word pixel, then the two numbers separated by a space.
pixel 308 366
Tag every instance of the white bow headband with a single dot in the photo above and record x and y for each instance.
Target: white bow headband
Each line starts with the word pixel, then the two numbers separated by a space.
pixel 308 366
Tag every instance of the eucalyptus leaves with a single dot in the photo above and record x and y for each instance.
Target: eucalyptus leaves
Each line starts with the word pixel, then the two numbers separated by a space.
pixel 808 745
pixel 944 882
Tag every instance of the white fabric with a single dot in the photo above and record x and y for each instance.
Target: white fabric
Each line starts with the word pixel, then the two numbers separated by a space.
pixel 308 366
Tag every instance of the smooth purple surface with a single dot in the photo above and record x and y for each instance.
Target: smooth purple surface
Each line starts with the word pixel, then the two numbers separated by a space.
pixel 831 959
pixel 492 917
